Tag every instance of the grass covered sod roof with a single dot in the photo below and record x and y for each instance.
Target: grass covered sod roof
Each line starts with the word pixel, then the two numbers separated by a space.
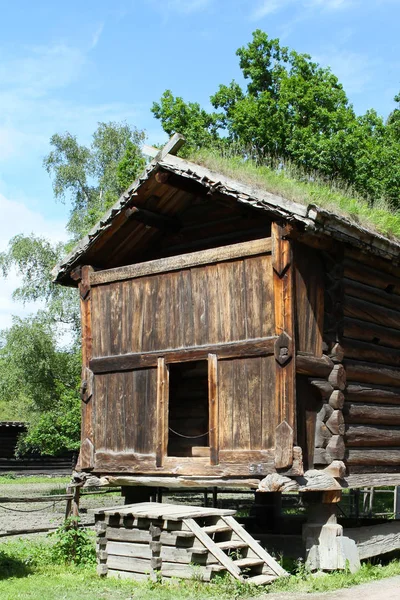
pixel 317 207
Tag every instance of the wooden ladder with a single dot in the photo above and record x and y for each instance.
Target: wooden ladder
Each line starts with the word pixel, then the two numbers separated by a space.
pixel 235 549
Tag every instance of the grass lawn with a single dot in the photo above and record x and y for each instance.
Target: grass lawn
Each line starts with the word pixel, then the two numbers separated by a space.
pixel 27 571
pixel 11 479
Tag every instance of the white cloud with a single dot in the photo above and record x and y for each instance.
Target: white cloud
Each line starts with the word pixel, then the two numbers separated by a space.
pixel 17 217
pixel 267 7
pixel 183 7
pixel 329 4
pixel 32 103
pixel 10 308
pixel 43 68
pixel 96 36
pixel 355 71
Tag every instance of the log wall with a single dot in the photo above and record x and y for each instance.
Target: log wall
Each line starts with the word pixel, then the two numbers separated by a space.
pixel 371 347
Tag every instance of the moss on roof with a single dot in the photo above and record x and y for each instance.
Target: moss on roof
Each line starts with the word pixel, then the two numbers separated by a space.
pixel 289 183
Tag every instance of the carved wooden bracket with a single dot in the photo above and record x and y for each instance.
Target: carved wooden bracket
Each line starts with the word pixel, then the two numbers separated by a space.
pixel 283 348
pixel 84 284
pixel 86 455
pixel 281 252
pixel 86 385
pixel 283 446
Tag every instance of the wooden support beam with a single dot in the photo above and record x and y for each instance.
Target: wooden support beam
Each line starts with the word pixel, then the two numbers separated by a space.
pixel 162 411
pixel 152 219
pixel 170 482
pixel 138 360
pixel 86 457
pixel 324 388
pixel 312 481
pixel 213 408
pixel 174 144
pixel 182 261
pixel 285 371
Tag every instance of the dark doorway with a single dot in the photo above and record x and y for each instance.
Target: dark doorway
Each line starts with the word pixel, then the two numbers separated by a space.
pixel 188 419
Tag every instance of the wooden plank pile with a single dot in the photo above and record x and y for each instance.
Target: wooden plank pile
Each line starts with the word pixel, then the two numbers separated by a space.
pixel 161 541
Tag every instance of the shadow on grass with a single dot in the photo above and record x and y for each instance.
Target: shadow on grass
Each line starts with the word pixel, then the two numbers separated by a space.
pixel 13 567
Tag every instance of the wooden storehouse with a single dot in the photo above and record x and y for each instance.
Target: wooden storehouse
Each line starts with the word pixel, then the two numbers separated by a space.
pixel 9 433
pixel 232 334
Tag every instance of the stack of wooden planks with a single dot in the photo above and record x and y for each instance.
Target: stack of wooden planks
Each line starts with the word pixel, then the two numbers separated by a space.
pixel 154 540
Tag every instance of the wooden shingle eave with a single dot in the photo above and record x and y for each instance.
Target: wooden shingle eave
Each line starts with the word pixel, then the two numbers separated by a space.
pixel 313 219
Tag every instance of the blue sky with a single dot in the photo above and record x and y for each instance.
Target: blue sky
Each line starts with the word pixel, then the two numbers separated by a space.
pixel 67 66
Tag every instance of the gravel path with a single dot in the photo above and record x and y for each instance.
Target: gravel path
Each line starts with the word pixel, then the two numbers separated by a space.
pixel 385 589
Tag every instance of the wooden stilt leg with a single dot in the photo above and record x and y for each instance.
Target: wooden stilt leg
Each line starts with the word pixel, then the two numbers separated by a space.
pixel 326 548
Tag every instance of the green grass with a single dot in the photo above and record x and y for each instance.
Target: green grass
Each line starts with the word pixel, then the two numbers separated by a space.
pixel 293 185
pixel 27 571
pixel 304 582
pixel 11 478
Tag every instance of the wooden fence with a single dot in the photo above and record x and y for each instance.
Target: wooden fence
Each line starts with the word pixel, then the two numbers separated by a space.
pixel 360 503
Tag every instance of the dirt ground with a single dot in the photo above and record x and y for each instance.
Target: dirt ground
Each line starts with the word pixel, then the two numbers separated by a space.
pixel 385 589
pixel 30 515
pixel 17 516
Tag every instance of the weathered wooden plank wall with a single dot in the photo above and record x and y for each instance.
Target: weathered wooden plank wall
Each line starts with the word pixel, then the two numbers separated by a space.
pixel 246 393
pixel 196 306
pixel 371 343
pixel 309 286
pixel 203 305
pixel 309 323
pixel 125 411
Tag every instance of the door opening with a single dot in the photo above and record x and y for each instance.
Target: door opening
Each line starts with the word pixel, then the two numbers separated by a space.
pixel 188 415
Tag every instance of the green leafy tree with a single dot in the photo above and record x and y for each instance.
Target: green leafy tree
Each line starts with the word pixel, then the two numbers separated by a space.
pixel 293 110
pixel 199 127
pixel 41 378
pixel 91 178
pixel 33 258
pixel 131 163
pixel 40 359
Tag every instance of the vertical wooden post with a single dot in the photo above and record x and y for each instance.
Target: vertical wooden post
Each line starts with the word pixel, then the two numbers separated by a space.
pixel 72 508
pixel 86 456
pixel 215 497
pixel 162 411
pixel 75 501
pixel 213 408
pixel 285 372
pixel 68 508
pixel 397 502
